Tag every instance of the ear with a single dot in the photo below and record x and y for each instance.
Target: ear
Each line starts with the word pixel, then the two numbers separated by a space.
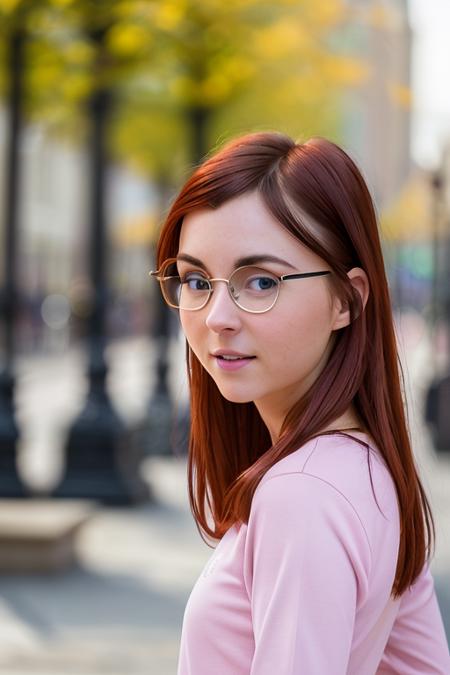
pixel 360 282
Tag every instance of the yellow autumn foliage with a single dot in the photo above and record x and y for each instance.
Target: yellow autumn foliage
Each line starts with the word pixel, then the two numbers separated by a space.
pixel 401 94
pixel 245 64
pixel 127 38
pixel 409 218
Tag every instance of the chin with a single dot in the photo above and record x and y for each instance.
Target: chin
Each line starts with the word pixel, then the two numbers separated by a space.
pixel 235 396
pixel 236 399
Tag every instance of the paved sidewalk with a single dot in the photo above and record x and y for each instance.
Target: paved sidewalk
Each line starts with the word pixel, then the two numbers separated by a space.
pixel 119 611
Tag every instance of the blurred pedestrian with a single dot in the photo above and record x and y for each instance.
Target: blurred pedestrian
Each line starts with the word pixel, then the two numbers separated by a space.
pixel 300 462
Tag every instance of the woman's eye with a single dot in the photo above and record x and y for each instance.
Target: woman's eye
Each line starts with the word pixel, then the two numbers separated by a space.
pixel 261 283
pixel 195 282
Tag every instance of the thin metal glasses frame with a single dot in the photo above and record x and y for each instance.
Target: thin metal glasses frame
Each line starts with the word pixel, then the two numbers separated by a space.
pixel 284 277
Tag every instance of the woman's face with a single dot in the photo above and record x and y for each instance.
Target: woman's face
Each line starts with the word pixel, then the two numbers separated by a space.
pixel 290 343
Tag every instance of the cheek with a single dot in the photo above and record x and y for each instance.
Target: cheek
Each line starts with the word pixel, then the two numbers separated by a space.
pixel 301 333
pixel 192 329
pixel 187 326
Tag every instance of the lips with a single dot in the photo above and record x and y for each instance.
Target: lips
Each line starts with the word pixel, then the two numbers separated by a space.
pixel 234 358
pixel 232 364
pixel 230 355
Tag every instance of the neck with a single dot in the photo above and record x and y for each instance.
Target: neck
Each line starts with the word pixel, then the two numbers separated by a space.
pixel 346 422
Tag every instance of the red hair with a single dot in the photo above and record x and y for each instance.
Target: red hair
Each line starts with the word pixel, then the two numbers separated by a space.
pixel 230 447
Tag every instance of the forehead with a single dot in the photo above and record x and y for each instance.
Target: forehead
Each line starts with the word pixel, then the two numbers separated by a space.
pixel 240 227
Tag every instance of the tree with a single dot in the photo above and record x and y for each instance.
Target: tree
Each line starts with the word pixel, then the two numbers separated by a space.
pixel 222 68
pixel 186 73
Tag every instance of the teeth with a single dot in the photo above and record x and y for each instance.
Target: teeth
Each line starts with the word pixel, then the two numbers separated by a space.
pixel 231 358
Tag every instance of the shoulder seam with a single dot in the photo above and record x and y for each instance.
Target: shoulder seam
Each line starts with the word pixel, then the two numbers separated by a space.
pixel 333 487
pixel 313 449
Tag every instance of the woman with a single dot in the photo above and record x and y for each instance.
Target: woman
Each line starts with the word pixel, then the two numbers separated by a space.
pixel 300 462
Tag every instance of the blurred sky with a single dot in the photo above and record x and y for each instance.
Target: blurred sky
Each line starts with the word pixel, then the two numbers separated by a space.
pixel 430 21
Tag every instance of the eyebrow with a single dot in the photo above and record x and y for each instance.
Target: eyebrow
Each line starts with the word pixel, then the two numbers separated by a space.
pixel 240 262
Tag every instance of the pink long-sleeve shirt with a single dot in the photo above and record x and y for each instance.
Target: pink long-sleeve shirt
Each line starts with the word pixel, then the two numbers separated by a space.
pixel 304 587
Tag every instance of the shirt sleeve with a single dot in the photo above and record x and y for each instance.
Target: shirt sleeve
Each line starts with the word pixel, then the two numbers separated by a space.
pixel 306 564
pixel 417 643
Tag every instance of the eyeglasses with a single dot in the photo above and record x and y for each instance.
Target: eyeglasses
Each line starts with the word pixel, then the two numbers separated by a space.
pixel 253 289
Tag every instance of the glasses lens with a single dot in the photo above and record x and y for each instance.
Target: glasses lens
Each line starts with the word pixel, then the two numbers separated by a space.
pixel 254 289
pixel 170 284
pixel 191 291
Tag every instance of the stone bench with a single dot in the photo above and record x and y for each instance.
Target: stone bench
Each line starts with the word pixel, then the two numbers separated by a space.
pixel 38 535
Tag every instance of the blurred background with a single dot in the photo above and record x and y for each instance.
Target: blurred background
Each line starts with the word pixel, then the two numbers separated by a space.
pixel 105 108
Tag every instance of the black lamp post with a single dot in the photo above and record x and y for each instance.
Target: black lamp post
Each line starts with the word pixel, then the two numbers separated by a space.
pixel 166 430
pixel 153 434
pixel 437 402
pixel 101 463
pixel 436 191
pixel 10 482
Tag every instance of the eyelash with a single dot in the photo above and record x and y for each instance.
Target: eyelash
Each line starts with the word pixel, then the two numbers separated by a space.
pixel 183 274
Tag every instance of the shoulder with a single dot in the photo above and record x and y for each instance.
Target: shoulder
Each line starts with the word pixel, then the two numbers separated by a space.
pixel 328 455
pixel 336 473
pixel 307 516
pixel 332 497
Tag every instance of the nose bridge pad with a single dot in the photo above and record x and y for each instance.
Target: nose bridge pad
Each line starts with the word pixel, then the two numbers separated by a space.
pixel 226 290
pixel 232 287
pixel 232 292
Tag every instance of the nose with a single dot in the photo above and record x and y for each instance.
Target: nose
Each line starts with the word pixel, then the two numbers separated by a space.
pixel 222 312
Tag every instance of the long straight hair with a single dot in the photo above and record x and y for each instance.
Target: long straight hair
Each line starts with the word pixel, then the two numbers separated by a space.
pixel 230 447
